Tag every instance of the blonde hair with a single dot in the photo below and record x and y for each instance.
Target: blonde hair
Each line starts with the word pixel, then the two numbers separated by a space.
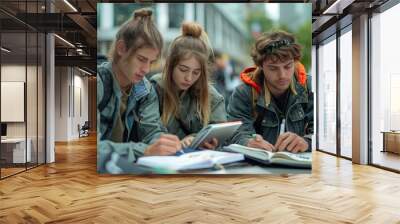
pixel 138 32
pixel 259 54
pixel 192 42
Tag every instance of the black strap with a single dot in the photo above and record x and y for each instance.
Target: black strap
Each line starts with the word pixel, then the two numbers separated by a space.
pixel 106 78
pixel 134 136
pixel 258 121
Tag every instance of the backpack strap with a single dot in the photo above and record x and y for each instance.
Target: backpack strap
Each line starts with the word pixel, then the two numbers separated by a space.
pixel 309 88
pixel 258 121
pixel 106 79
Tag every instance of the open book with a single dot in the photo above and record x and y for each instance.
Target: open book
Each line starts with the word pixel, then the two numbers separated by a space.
pixel 189 161
pixel 301 160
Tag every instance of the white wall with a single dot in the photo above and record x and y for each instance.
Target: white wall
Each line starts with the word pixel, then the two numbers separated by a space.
pixel 79 117
pixel 13 102
pixel 69 85
pixel 14 73
pixel 33 126
pixel 61 103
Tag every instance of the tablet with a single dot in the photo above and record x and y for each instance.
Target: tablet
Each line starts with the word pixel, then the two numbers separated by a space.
pixel 221 132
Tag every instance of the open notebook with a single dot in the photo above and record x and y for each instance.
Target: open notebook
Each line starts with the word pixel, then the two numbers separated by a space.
pixel 301 160
pixel 189 161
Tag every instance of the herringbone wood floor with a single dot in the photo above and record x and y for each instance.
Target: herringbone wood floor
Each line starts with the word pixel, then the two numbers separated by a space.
pixel 70 191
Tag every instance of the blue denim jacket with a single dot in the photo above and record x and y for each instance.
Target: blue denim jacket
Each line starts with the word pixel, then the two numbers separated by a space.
pixel 142 119
pixel 299 116
pixel 188 110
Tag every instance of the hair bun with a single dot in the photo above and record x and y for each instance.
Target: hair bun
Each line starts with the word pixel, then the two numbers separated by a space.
pixel 142 13
pixel 191 29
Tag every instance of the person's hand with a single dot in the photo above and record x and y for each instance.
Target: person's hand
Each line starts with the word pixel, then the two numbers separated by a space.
pixel 211 144
pixel 164 146
pixel 186 141
pixel 259 142
pixel 291 142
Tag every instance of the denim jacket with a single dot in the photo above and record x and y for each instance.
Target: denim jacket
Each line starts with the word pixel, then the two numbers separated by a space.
pixel 299 117
pixel 142 119
pixel 188 111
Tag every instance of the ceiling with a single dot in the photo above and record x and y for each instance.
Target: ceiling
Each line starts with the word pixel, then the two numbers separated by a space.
pixel 75 21
pixel 330 15
pixel 72 20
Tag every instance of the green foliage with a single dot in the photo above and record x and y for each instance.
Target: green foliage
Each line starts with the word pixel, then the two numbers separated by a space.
pixel 258 18
pixel 303 36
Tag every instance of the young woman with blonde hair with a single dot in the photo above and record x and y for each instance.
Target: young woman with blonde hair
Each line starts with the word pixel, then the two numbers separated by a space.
pixel 187 100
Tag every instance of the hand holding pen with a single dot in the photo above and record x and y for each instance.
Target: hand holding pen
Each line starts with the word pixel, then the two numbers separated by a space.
pixel 290 141
pixel 258 142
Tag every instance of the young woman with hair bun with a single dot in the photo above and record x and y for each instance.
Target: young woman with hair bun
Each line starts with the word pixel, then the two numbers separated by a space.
pixel 188 101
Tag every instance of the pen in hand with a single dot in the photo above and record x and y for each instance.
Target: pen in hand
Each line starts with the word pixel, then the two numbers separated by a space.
pixel 259 142
pixel 281 132
pixel 282 127
pixel 181 152
pixel 256 137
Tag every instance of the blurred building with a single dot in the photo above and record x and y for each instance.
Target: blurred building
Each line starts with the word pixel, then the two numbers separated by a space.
pixel 226 30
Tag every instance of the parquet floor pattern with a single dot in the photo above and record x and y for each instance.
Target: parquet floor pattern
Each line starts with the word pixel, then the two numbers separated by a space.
pixel 70 191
